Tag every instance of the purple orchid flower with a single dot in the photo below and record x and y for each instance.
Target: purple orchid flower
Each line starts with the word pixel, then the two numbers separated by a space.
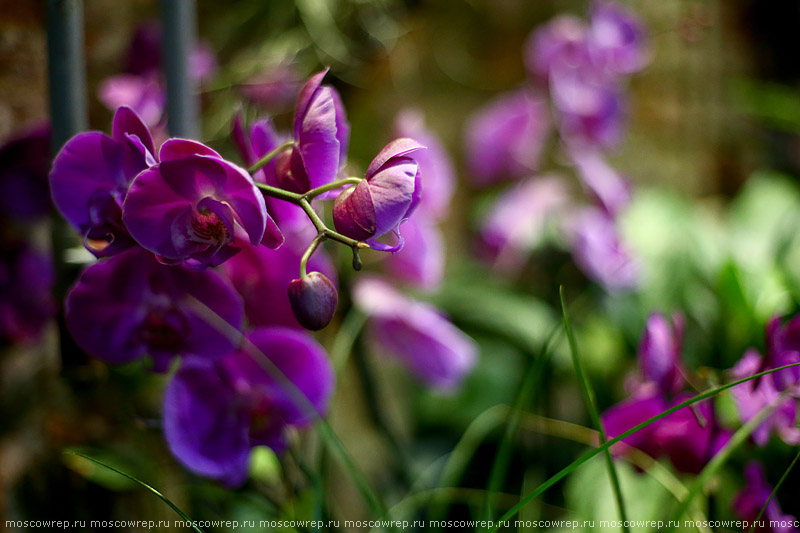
pixel 188 207
pixel 386 197
pixel 416 334
pixel 608 189
pixel 262 276
pixel 274 88
pixel 783 348
pixel 130 306
pixel 91 175
pixel 504 140
pixel 252 146
pixel 754 396
pixel 660 352
pixel 435 168
pixel 748 502
pixel 144 94
pixel 616 39
pixel 215 412
pixel 24 164
pixel 688 437
pixel 421 261
pixel 321 134
pixel 26 301
pixel 518 220
pixel 598 252
pixel 590 109
pixel 561 42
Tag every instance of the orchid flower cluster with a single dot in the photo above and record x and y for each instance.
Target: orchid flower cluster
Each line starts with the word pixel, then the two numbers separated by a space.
pixel 690 437
pixel 196 260
pixel 577 73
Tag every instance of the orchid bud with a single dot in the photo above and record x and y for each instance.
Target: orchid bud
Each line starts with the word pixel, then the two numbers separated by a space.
pixel 290 173
pixel 314 299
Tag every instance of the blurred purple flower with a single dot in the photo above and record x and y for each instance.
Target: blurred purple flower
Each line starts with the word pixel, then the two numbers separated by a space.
pixel 561 42
pixel 415 334
pixel 689 437
pixel 130 306
pixel 388 195
pixel 589 107
pixel 143 94
pixel 214 413
pixel 598 252
pixel 321 134
pixel 421 261
pixel 274 88
pixel 262 276
pixel 616 39
pixel 435 168
pixel 783 348
pixel 518 219
pixel 505 138
pixel 141 86
pixel 188 207
pixel 660 353
pixel 91 175
pixel 252 146
pixel 754 396
pixel 24 165
pixel 608 189
pixel 26 302
pixel 749 501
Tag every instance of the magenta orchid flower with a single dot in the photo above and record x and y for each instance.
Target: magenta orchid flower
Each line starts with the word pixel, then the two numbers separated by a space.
pixel 504 140
pixel 129 307
pixel 215 412
pixel 388 195
pixel 91 175
pixel 321 134
pixel 416 334
pixel 616 39
pixel 600 254
pixel 187 208
pixel 757 491
pixel 563 41
pixel 660 352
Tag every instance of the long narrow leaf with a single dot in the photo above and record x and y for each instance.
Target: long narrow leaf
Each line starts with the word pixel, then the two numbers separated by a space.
pixel 591 405
pixel 592 453
pixel 143 484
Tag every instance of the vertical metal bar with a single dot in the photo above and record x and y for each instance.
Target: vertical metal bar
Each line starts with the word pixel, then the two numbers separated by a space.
pixel 66 69
pixel 179 19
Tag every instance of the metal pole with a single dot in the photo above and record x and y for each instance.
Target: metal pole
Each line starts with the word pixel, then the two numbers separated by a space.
pixel 180 34
pixel 66 69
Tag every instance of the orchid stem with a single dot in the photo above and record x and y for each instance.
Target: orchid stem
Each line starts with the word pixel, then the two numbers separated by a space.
pixel 313 193
pixel 272 154
pixel 319 239
pixel 304 201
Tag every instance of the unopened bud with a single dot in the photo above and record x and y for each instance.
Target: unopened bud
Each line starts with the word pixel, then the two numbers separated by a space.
pixel 290 172
pixel 313 300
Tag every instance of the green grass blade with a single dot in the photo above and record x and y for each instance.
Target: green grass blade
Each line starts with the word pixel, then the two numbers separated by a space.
pixel 523 396
pixel 774 491
pixel 591 405
pixel 143 484
pixel 592 453
pixel 326 432
pixel 716 462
